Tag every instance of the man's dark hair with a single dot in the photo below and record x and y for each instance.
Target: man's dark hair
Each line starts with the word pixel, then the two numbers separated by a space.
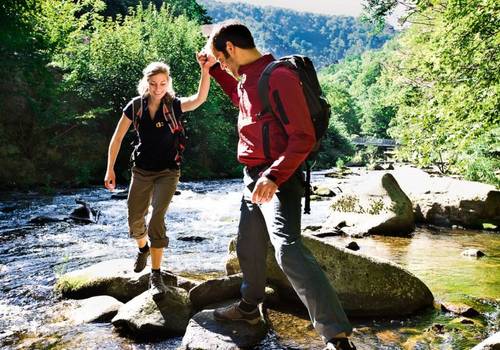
pixel 234 32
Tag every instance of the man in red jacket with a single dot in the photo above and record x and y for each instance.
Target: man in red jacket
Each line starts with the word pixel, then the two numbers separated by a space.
pixel 272 151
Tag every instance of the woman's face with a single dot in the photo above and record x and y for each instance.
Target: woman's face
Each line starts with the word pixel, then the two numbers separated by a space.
pixel 158 84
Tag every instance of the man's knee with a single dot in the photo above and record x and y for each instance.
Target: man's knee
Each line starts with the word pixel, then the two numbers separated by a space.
pixel 285 248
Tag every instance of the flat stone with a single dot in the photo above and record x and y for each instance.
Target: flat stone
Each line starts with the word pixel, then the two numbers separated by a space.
pixel 101 308
pixel 205 333
pixel 459 309
pixel 215 290
pixel 115 278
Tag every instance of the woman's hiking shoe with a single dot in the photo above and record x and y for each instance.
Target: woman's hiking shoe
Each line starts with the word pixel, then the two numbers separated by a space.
pixel 156 283
pixel 340 344
pixel 234 313
pixel 141 260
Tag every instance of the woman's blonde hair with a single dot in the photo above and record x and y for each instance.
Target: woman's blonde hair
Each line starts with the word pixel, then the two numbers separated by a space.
pixel 153 69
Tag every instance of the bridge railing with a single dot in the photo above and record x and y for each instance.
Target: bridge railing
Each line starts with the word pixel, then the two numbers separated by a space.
pixel 366 141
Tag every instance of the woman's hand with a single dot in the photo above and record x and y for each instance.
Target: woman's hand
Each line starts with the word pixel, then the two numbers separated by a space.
pixel 110 180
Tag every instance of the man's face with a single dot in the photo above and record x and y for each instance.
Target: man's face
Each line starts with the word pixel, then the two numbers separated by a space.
pixel 227 63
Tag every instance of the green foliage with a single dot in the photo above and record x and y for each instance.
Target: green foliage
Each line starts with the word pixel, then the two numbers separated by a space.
pixel 325 39
pixel 188 8
pixel 107 64
pixel 447 82
pixel 70 72
pixel 335 146
pixel 27 92
pixel 359 92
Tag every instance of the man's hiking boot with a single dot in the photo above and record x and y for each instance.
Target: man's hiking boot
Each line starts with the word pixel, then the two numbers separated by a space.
pixel 156 283
pixel 234 313
pixel 340 344
pixel 141 260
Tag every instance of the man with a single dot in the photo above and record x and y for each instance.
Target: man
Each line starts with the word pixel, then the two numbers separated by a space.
pixel 272 151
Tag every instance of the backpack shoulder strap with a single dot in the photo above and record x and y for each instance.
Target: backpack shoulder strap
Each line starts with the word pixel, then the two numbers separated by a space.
pixel 171 118
pixel 137 107
pixel 263 87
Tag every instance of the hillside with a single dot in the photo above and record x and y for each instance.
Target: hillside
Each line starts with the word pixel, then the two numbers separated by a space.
pixel 326 39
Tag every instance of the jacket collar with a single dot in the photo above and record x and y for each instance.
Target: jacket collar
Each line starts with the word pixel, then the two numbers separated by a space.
pixel 256 66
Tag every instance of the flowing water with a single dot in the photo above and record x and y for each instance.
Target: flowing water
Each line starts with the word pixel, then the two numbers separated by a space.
pixel 31 256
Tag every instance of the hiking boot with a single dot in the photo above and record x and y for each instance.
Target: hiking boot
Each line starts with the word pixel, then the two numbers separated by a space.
pixel 339 344
pixel 234 313
pixel 156 283
pixel 141 260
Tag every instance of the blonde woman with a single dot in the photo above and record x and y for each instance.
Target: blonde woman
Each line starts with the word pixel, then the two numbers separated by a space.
pixel 155 114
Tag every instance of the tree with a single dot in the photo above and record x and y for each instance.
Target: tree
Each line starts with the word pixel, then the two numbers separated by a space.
pixel 447 77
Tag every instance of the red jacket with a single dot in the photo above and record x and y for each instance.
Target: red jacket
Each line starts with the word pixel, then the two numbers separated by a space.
pixel 290 140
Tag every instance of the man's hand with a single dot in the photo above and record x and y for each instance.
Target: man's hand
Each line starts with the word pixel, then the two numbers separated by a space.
pixel 205 60
pixel 264 190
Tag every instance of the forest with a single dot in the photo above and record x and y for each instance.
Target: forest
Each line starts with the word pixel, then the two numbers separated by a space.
pixel 69 67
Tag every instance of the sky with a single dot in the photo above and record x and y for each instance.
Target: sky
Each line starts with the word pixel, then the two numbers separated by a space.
pixel 325 7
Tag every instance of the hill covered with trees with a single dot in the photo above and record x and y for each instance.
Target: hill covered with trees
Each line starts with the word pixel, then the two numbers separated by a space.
pixel 326 39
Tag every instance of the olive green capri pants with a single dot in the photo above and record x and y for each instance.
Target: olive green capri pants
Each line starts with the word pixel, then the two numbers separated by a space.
pixel 155 188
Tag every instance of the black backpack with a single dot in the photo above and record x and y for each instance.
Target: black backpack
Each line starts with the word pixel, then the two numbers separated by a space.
pixel 319 108
pixel 173 122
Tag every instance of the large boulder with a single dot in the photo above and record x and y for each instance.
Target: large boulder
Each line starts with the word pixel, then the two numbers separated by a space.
pixel 215 290
pixel 445 201
pixel 367 286
pixel 375 206
pixel 113 277
pixel 153 316
pixel 205 333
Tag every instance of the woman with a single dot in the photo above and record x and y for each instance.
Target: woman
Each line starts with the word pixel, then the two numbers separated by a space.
pixel 155 171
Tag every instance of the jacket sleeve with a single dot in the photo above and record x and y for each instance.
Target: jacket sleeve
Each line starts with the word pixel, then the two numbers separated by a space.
pixel 289 104
pixel 227 82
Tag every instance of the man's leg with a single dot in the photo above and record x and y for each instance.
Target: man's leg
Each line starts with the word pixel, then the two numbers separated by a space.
pixel 282 216
pixel 251 248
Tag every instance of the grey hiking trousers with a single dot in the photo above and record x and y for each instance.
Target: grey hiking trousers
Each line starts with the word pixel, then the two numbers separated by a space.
pixel 279 222
pixel 155 188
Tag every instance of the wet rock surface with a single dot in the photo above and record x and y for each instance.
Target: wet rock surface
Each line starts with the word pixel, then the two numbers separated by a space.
pixel 113 277
pixel 204 332
pixel 152 316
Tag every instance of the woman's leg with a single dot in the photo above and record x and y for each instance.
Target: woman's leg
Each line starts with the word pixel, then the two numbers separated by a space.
pixel 164 188
pixel 156 257
pixel 139 198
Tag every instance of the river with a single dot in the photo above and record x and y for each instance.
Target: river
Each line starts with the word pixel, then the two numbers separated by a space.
pixel 31 256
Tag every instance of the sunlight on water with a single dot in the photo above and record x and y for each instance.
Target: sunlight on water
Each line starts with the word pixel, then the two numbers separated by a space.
pixel 436 258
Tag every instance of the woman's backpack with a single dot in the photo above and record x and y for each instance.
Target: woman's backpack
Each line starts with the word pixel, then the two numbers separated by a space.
pixel 172 121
